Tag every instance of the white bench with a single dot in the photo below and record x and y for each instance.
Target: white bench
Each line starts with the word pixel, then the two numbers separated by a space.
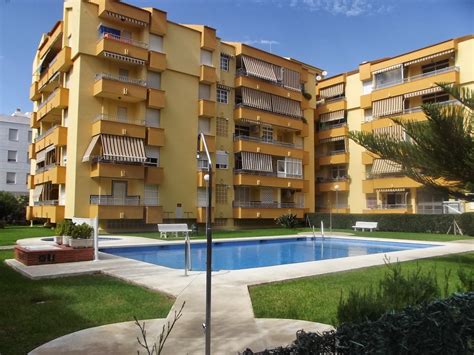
pixel 365 225
pixel 173 228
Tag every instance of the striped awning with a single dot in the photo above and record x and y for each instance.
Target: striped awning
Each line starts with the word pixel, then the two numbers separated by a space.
pixel 332 91
pixel 331 116
pixel 396 66
pixel 228 55
pixel 395 132
pixel 393 189
pixel 121 148
pixel 286 106
pixel 332 139
pixel 257 99
pixel 124 58
pixel 224 87
pixel 384 166
pixel 40 156
pixel 424 59
pixel 257 162
pixel 388 106
pixel 423 92
pixel 291 79
pixel 37 192
pixel 278 72
pixel 259 68
pixel 90 148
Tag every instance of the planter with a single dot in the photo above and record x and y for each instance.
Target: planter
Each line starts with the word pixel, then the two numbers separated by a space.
pixel 66 239
pixel 81 243
pixel 58 239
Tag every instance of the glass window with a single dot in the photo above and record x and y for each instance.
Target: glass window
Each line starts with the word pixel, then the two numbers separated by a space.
pixel 222 96
pixel 152 117
pixel 435 98
pixel 222 159
pixel 206 57
pixel 11 178
pixel 242 131
pixel 435 66
pixel 224 62
pixel 221 193
pixel 12 134
pixel 388 78
pixel 122 114
pixel 154 80
pixel 267 133
pixel 104 31
pixel 204 125
pixel 340 146
pixel 12 156
pixel 339 172
pixel 156 43
pixel 222 127
pixel 30 135
pixel 204 92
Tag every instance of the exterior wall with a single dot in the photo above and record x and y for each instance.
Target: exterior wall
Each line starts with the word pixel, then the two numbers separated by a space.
pixel 21 167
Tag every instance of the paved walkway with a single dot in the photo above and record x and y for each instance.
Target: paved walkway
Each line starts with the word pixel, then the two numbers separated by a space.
pixel 233 324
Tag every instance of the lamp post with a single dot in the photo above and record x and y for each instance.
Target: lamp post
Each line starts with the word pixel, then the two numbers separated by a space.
pixel 207 323
pixel 336 188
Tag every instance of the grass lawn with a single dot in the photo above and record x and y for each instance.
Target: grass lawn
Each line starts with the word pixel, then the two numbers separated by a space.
pixel 34 312
pixel 316 298
pixel 434 237
pixel 10 234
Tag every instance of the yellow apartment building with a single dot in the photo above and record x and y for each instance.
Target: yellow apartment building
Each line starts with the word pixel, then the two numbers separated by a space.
pixel 352 180
pixel 120 94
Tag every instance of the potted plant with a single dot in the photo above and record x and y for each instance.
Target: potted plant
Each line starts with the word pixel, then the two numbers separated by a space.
pixel 81 236
pixel 63 232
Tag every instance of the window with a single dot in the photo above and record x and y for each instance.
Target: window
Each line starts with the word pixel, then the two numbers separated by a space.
pixel 222 159
pixel 204 125
pixel 339 172
pixel 151 195
pixel 368 115
pixel 204 92
pixel 267 133
pixel 11 178
pixel 152 155
pixel 122 114
pixel 152 117
pixel 154 80
pixel 435 66
pixel 340 146
pixel 367 87
pixel 156 43
pixel 12 134
pixel 206 57
pixel 222 96
pixel 389 77
pixel 435 98
pixel 221 193
pixel 30 135
pixel 222 127
pixel 12 156
pixel 242 131
pixel 224 62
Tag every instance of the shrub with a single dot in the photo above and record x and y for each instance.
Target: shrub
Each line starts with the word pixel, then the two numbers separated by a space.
pixel 64 227
pixel 12 208
pixel 287 220
pixel 360 306
pixel 82 231
pixel 467 280
pixel 417 223
pixel 441 327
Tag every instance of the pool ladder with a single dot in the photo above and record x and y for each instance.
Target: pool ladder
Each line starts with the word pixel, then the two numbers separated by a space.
pixel 187 255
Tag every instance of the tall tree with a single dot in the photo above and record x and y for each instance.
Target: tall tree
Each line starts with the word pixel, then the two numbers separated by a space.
pixel 439 151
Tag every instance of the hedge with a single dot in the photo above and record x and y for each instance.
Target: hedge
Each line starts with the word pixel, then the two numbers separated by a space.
pixel 441 327
pixel 419 223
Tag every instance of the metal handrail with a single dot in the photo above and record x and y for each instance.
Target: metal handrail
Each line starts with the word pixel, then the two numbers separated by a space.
pixel 123 79
pixel 333 152
pixel 124 40
pixel 105 117
pixel 44 134
pixel 46 203
pixel 50 97
pixel 330 179
pixel 241 104
pixel 260 204
pixel 390 206
pixel 101 159
pixel 323 127
pixel 265 173
pixel 108 200
pixel 271 141
pixel 416 77
pixel 420 108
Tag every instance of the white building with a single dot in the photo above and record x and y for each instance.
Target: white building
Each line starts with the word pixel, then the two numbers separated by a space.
pixel 15 136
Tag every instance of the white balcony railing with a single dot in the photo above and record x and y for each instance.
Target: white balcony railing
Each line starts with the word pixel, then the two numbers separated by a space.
pixel 415 77
pixel 107 200
pixel 49 98
pixel 124 40
pixel 105 117
pixel 267 141
pixel 123 79
pixel 261 204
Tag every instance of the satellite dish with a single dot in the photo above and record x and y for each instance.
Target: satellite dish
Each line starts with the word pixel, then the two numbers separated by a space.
pixel 324 73
pixel 318 77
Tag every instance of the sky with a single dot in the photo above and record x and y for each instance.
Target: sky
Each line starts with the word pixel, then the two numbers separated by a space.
pixel 335 35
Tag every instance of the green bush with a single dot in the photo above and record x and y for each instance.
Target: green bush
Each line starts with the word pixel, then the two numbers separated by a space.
pixel 81 231
pixel 467 280
pixel 441 327
pixel 418 223
pixel 360 306
pixel 64 227
pixel 287 220
pixel 12 208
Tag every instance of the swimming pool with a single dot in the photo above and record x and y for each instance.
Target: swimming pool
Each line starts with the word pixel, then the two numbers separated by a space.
pixel 235 255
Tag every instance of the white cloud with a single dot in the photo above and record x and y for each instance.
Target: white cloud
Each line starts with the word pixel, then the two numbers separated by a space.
pixel 341 7
pixel 261 41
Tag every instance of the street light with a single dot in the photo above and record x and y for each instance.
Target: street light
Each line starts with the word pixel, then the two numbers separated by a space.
pixel 336 188
pixel 208 178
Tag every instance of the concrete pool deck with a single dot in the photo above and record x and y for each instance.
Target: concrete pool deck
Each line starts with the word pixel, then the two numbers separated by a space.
pixel 234 326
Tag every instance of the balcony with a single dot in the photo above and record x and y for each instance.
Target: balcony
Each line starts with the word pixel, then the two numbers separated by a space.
pixel 368 158
pixel 51 211
pixel 50 110
pixel 390 208
pixel 154 175
pixel 119 88
pixel 417 82
pixel 387 182
pixel 252 178
pixel 248 113
pixel 208 38
pixel 104 211
pixel 56 136
pixel 156 61
pixel 206 108
pixel 339 209
pixel 124 14
pixel 53 39
pixel 207 75
pixel 34 92
pixel 243 79
pixel 272 147
pixel 155 136
pixel 201 182
pixel 105 124
pixel 122 49
pixel 30 182
pixel 34 120
pixel 334 157
pixel 31 151
pixel 333 131
pixel 257 209
pixel 327 184
pixel 49 80
pixel 158 22
pixel 55 174
pixel 331 105
pixel 103 169
pixel 156 98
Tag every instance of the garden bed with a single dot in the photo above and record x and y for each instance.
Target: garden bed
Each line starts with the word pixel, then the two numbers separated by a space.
pixel 40 255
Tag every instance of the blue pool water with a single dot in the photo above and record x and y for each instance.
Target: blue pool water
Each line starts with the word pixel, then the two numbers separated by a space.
pixel 258 253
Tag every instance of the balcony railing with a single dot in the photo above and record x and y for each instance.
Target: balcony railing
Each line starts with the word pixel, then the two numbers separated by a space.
pixel 46 203
pixel 104 117
pixel 332 179
pixel 50 97
pixel 419 108
pixel 389 206
pixel 101 159
pixel 339 206
pixel 268 141
pixel 325 127
pixel 260 204
pixel 416 77
pixel 47 167
pixel 123 79
pixel 332 152
pixel 124 40
pixel 107 200
pixel 265 173
pixel 299 118
pixel 45 133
